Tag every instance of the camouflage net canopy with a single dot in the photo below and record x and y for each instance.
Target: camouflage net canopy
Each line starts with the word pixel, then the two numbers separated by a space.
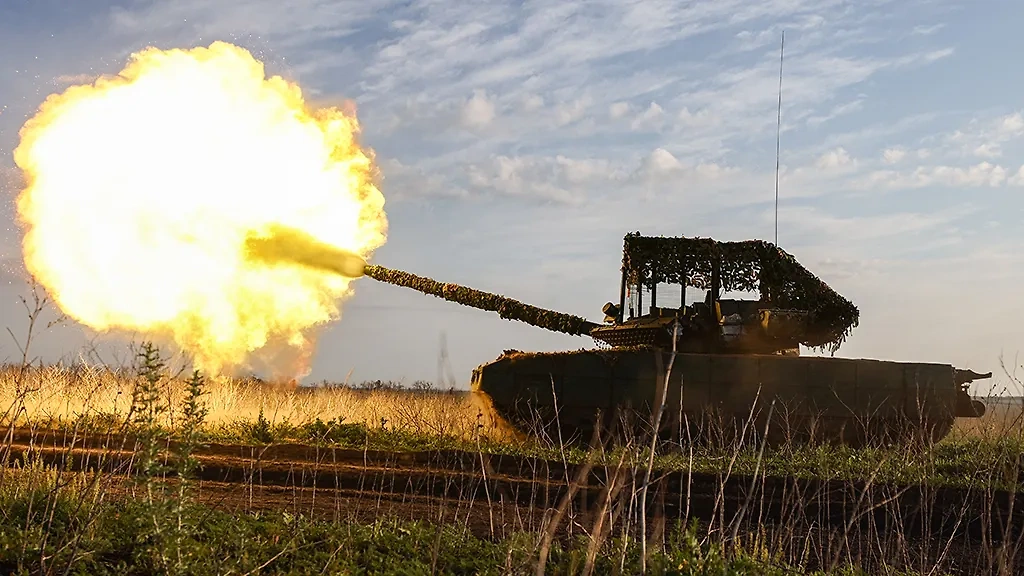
pixel 505 307
pixel 752 265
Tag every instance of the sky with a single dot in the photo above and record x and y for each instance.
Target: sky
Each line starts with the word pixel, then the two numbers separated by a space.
pixel 520 141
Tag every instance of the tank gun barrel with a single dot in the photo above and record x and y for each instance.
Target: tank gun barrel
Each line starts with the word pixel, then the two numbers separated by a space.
pixel 505 307
pixel 285 245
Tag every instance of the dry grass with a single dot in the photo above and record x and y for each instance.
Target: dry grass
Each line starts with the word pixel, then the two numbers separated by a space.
pixel 55 394
pixel 1004 417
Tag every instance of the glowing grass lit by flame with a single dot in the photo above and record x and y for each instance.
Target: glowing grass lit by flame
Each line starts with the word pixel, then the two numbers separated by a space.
pixel 145 191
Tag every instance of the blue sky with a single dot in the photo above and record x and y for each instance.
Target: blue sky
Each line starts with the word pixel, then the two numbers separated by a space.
pixel 520 141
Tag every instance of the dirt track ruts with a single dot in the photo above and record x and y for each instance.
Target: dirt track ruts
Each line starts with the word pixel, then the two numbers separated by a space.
pixel 267 476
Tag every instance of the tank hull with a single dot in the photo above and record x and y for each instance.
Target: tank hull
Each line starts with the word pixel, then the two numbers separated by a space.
pixel 768 397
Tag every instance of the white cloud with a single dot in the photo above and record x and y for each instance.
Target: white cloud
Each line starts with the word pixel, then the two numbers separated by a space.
pixel 955 153
pixel 980 175
pixel 836 269
pixel 835 160
pixel 1011 125
pixel 739 103
pixel 836 112
pixel 661 161
pixel 578 171
pixel 701 118
pixel 986 138
pixel 662 174
pixel 618 110
pixel 824 235
pixel 934 55
pixel 1018 178
pixel 987 150
pixel 751 40
pixel 652 118
pixel 925 30
pixel 659 175
pixel 569 112
pixel 410 183
pixel 478 110
pixel 893 155
pixel 532 102
pixel 300 22
pixel 560 179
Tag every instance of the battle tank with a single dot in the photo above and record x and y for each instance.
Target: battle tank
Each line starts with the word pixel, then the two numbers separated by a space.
pixel 720 365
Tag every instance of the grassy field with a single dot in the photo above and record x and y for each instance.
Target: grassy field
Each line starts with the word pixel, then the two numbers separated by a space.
pixel 65 525
pixel 460 507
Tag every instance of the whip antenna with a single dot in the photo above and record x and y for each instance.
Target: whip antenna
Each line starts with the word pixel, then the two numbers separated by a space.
pixel 778 139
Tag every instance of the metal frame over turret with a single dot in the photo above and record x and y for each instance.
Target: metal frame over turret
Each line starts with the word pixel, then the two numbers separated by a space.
pixel 794 306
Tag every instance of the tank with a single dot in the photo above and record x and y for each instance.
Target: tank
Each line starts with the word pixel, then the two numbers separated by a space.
pixel 719 367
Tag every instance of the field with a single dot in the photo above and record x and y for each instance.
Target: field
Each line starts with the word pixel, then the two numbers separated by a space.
pixel 143 470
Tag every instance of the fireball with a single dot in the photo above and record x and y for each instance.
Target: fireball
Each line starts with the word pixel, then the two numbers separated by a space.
pixel 143 188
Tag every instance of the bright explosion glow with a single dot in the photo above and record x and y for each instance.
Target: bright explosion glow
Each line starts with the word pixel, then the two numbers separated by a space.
pixel 143 187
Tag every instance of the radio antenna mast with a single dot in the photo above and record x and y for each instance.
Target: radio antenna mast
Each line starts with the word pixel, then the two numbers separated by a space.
pixel 778 139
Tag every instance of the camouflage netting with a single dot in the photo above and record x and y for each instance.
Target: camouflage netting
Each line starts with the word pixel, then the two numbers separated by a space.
pixel 505 307
pixel 752 265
